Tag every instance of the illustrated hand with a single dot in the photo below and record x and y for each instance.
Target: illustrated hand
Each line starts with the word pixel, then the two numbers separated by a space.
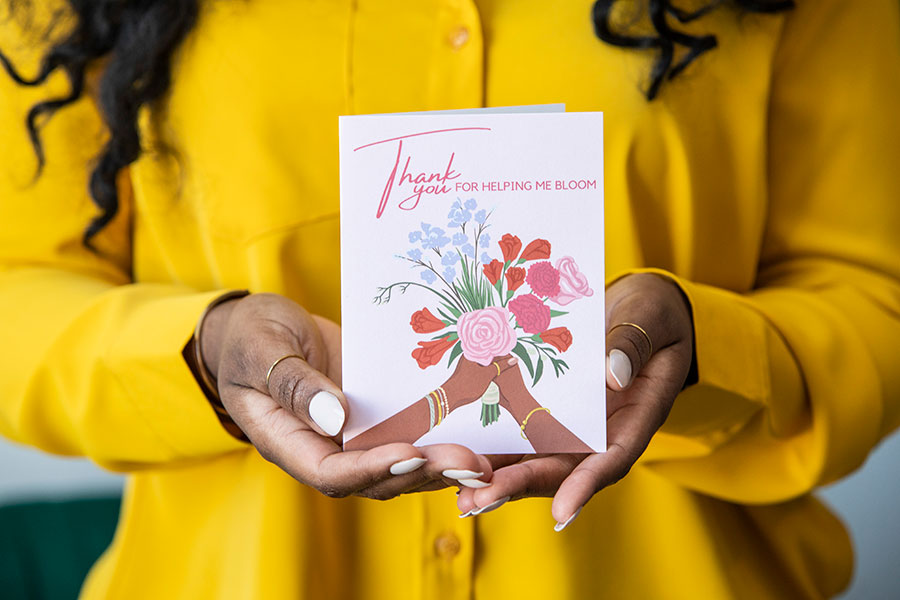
pixel 294 420
pixel 470 380
pixel 642 386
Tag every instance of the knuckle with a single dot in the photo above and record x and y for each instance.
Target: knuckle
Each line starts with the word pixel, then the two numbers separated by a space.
pixel 333 491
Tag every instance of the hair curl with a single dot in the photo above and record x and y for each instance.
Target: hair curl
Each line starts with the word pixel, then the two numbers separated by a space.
pixel 138 37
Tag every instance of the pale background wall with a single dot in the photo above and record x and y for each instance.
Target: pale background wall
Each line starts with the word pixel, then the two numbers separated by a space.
pixel 869 501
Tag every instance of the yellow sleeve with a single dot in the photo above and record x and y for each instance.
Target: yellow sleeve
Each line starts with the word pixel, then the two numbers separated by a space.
pixel 799 380
pixel 90 362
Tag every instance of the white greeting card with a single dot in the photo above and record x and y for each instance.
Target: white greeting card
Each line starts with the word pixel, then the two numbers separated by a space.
pixel 473 280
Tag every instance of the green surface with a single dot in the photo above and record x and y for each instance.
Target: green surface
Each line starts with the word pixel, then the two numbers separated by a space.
pixel 47 548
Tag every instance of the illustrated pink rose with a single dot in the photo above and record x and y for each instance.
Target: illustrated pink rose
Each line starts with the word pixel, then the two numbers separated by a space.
pixel 532 314
pixel 543 279
pixel 486 334
pixel 572 283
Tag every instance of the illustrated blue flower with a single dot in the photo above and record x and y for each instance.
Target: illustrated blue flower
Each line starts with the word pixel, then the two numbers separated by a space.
pixel 425 227
pixel 485 240
pixel 459 239
pixel 469 250
pixel 414 236
pixel 450 259
pixel 429 277
pixel 485 259
pixel 415 254
pixel 471 204
pixel 436 239
pixel 481 216
pixel 449 273
pixel 458 215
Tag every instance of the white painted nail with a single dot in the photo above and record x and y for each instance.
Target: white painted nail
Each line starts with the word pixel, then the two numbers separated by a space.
pixel 474 483
pixel 407 466
pixel 461 474
pixel 468 514
pixel 513 361
pixel 492 506
pixel 326 410
pixel 620 367
pixel 561 526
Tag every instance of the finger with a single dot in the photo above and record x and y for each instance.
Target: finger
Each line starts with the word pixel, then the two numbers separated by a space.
pixel 282 438
pixel 446 464
pixel 630 429
pixel 502 363
pixel 537 477
pixel 629 345
pixel 307 393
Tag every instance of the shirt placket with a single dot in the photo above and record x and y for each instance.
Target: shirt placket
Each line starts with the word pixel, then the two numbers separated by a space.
pixel 412 55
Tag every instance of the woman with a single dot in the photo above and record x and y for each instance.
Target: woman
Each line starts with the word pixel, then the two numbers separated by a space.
pixel 751 221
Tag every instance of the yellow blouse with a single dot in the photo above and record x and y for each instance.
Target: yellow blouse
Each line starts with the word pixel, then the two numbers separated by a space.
pixel 764 179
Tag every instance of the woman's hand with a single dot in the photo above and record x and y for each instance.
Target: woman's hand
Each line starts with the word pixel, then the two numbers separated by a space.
pixel 470 380
pixel 642 385
pixel 294 418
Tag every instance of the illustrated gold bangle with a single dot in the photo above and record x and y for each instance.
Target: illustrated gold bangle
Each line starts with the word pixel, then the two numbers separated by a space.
pixel 639 328
pixel 498 367
pixel 275 364
pixel 525 421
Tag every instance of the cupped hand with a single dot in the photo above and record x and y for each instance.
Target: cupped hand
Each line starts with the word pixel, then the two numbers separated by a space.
pixel 294 418
pixel 643 378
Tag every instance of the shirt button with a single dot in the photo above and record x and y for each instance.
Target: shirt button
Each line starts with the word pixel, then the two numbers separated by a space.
pixel 447 546
pixel 459 37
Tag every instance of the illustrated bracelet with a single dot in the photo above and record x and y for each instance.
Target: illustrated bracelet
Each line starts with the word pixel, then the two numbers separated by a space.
pixel 438 407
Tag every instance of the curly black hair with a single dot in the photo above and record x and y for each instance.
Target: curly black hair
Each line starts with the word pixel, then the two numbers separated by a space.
pixel 138 37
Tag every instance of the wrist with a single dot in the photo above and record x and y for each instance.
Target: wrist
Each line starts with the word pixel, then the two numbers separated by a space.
pixel 212 328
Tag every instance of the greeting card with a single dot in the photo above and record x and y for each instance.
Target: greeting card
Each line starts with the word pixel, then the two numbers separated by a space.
pixel 473 280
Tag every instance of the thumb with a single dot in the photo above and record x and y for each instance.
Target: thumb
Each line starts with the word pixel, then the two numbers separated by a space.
pixel 629 346
pixel 307 393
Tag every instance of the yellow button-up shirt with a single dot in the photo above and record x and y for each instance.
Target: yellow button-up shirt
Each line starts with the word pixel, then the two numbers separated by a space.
pixel 763 179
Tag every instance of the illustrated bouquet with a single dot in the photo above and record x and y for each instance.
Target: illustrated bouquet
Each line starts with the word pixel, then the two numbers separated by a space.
pixel 487 307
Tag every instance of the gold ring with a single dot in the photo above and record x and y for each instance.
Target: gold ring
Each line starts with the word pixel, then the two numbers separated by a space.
pixel 639 328
pixel 498 367
pixel 275 364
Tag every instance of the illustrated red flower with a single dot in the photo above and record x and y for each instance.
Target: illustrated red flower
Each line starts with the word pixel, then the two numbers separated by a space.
pixel 493 270
pixel 532 315
pixel 543 279
pixel 515 277
pixel 537 250
pixel 430 353
pixel 558 337
pixel 422 321
pixel 510 245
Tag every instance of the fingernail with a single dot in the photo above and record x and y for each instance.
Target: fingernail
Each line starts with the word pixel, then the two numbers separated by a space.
pixel 326 411
pixel 407 466
pixel 561 526
pixel 474 483
pixel 468 514
pixel 512 361
pixel 461 474
pixel 620 367
pixel 492 506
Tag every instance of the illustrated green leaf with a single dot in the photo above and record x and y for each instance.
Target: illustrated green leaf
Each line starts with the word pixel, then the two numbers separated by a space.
pixel 522 353
pixel 454 311
pixel 455 352
pixel 557 313
pixel 538 371
pixel 537 338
